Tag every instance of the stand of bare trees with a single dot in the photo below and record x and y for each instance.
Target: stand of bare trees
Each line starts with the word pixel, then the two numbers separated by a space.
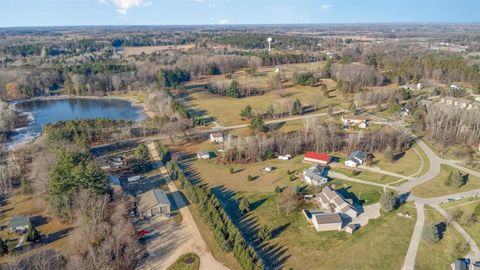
pixel 353 77
pixel 7 117
pixel 449 126
pixel 320 138
pixel 103 237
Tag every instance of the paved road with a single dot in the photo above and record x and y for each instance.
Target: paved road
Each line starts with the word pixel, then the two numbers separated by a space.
pixel 192 240
pixel 409 263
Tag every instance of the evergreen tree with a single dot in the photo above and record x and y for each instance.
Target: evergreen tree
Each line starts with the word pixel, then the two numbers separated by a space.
pixel 244 205
pixel 388 201
pixel 257 123
pixel 458 180
pixel 297 107
pixel 278 189
pixel 388 155
pixel 264 233
pixel 3 248
pixel 431 234
pixel 32 234
pixel 142 156
pixel 246 112
pixel 233 89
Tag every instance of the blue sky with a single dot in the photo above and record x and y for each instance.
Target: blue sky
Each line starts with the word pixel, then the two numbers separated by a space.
pixel 164 12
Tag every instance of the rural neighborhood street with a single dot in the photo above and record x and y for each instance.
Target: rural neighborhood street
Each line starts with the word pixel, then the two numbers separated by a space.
pixel 416 237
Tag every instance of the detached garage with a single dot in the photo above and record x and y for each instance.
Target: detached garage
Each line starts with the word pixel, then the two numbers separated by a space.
pixel 153 203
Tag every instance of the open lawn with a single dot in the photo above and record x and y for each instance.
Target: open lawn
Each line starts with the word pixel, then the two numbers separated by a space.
pixel 365 175
pixel 54 232
pixel 436 186
pixel 189 261
pixel 217 174
pixel 406 163
pixel 441 255
pixel 464 212
pixel 363 194
pixel 382 243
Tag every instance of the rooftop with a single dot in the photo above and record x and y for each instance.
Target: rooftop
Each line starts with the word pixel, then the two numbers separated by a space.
pixel 19 221
pixel 327 218
pixel 152 198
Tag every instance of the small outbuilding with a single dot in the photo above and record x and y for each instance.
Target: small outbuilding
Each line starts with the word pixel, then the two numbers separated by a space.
pixel 203 155
pixel 351 228
pixel 268 168
pixel 285 157
pixel 153 203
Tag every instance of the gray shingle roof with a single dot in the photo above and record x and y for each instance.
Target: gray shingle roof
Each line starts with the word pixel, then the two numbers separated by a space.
pixel 19 221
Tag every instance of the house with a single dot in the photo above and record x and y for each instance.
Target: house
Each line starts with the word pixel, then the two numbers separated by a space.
pixel 356 158
pixel 153 203
pixel 319 158
pixel 216 137
pixel 362 125
pixel 327 222
pixel 351 228
pixel 203 155
pixel 315 175
pixel 333 201
pixel 285 157
pixel 19 224
pixel 459 265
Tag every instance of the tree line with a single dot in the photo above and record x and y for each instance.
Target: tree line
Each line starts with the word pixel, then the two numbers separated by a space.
pixel 227 235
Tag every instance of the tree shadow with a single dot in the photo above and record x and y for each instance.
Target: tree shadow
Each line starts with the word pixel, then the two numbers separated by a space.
pixel 277 231
pixel 442 228
pixel 254 205
pixel 39 220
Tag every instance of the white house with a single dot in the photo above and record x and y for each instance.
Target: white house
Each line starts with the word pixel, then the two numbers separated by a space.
pixel 216 137
pixel 203 155
pixel 315 176
pixel 355 159
pixel 333 201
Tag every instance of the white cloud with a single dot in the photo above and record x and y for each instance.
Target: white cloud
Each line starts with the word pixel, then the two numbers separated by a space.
pixel 199 1
pixel 326 7
pixel 124 5
pixel 224 21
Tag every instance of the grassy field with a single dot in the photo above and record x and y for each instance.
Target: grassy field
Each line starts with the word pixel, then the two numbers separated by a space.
pixel 466 208
pixel 366 175
pixel 137 96
pixel 189 261
pixel 438 256
pixel 436 186
pixel 23 205
pixel 407 164
pixel 386 239
pixel 226 110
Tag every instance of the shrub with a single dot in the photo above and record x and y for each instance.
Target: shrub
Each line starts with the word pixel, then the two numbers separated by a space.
pixel 250 178
pixel 278 189
pixel 388 201
pixel 231 170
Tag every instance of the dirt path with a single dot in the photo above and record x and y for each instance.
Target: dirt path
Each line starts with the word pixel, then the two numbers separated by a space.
pixel 186 237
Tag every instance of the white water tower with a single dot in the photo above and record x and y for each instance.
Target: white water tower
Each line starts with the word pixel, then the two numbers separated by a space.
pixel 269 40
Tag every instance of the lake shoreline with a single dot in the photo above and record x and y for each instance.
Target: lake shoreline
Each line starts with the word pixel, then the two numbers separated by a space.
pixel 133 101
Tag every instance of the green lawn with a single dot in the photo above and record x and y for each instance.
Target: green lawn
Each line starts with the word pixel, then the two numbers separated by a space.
pixel 436 186
pixel 382 244
pixel 366 175
pixel 189 261
pixel 441 255
pixel 365 194
pixel 409 163
pixel 466 209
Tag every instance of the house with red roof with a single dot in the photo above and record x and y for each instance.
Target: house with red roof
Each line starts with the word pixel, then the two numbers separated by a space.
pixel 319 158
